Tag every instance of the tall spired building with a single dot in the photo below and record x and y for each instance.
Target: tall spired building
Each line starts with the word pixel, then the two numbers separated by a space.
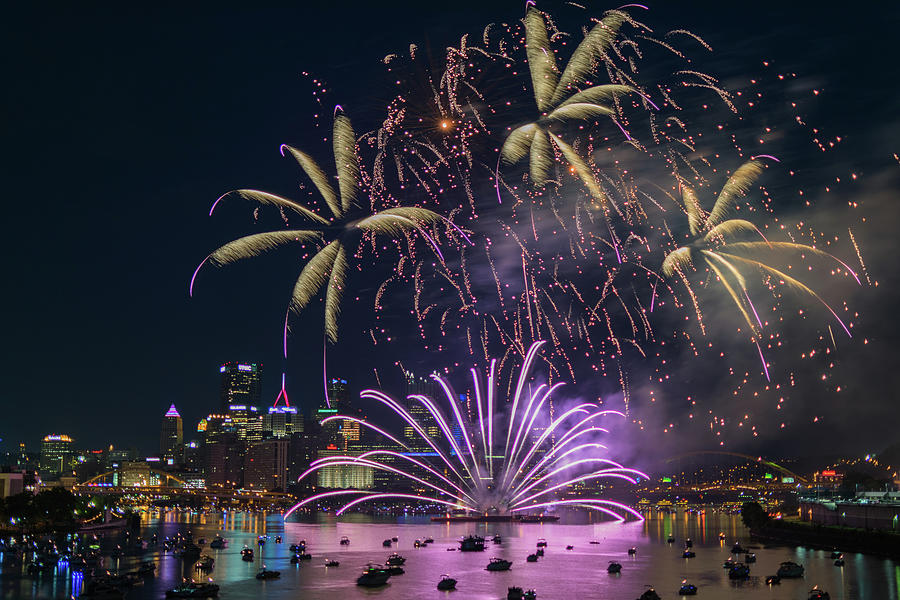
pixel 171 437
pixel 241 384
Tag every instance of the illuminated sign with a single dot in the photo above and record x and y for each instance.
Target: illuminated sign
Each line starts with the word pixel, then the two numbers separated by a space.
pixel 152 459
pixel 222 369
pixel 245 367
pixel 768 476
pixel 57 438
pixel 327 410
pixel 336 380
pixel 829 473
pixel 667 480
pixel 787 480
pixel 238 407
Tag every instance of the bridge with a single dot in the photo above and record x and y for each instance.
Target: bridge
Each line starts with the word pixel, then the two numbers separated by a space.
pixel 752 459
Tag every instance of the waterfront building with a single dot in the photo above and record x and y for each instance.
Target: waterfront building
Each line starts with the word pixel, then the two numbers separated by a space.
pixel 222 452
pixel 420 386
pixel 57 454
pixel 171 438
pixel 266 465
pixel 355 476
pixel 241 384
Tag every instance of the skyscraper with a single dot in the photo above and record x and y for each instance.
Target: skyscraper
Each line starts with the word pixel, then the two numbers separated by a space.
pixel 420 386
pixel 282 421
pixel 57 454
pixel 241 384
pixel 171 437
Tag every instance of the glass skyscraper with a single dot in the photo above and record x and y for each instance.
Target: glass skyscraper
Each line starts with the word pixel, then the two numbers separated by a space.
pixel 241 384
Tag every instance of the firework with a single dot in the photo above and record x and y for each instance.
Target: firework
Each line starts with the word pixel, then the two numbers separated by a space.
pixel 504 467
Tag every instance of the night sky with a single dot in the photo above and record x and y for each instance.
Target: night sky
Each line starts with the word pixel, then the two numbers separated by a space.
pixel 122 123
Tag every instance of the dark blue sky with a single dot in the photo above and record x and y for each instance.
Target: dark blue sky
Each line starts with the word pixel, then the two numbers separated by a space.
pixel 123 122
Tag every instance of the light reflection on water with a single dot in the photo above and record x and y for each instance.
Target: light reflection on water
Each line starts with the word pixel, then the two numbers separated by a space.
pixel 561 574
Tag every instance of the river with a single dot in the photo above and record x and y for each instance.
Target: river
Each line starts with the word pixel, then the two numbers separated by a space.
pixel 561 574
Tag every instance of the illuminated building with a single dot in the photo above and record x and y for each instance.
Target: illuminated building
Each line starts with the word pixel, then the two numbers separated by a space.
pixel 266 465
pixel 248 423
pixel 57 454
pixel 133 474
pixel 171 437
pixel 281 421
pixel 420 386
pixel 241 384
pixel 337 401
pixel 222 453
pixel 344 476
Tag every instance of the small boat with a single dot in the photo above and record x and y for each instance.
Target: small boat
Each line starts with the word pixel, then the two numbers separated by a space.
pixel 446 583
pixel 790 570
pixel 498 564
pixel 386 543
pixel 266 574
pixel 261 541
pixel 541 543
pixel 817 594
pixel 295 558
pixel 418 544
pixel 373 576
pixel 728 563
pixel 738 549
pixel 332 563
pixel 247 554
pixel 472 543
pixel 345 541
pixel 750 558
pixel 594 542
pixel 428 540
pixel 147 569
pixel 739 571
pixel 836 554
pixel 632 551
pixel 394 539
pixel 297 548
pixel 497 539
pixel 515 593
pixel 670 539
pixel 218 543
pixel 191 589
pixel 687 589
pixel 722 536
pixel 529 595
pixel 839 562
pixel 201 541
pixel 570 547
pixel 532 558
pixel 688 543
pixel 773 579
pixel 277 539
pixel 396 570
pixel 395 560
pixel 649 594
pixel 205 563
pixel 614 567
pixel 539 551
pixel 688 554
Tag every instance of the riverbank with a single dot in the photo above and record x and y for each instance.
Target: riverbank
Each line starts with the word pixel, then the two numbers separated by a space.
pixel 828 537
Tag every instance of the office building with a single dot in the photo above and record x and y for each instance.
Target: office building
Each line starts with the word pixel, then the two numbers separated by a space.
pixel 57 454
pixel 267 466
pixel 171 438
pixel 281 421
pixel 421 386
pixel 241 384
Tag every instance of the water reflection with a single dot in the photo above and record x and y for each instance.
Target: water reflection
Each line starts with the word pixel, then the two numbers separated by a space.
pixel 577 573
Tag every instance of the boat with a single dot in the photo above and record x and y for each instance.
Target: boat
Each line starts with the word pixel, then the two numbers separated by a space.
pixel 496 519
pixel 773 579
pixel 332 563
pixel 472 543
pixel 247 554
pixel 594 542
pixel 541 543
pixel 191 589
pixel 614 567
pixel 396 570
pixel 218 543
pixel 739 571
pixel 839 562
pixel 418 544
pixel 446 583
pixel 529 595
pixel 300 556
pixel 570 547
pixel 790 570
pixel 515 593
pixel 722 536
pixel 750 558
pixel 345 541
pixel 386 543
pixel 373 576
pixel 836 554
pixel 688 554
pixel 498 564
pixel 687 589
pixel 147 569
pixel 277 539
pixel 266 574
pixel 395 560
pixel 428 540
pixel 205 563
pixel 632 551
pixel 688 543
pixel 649 594
pixel 297 548
pixel 532 558
pixel 817 594
pixel 261 541
pixel 670 539
pixel 539 551
pixel 737 549
pixel 728 563
pixel 497 539
pixel 394 539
